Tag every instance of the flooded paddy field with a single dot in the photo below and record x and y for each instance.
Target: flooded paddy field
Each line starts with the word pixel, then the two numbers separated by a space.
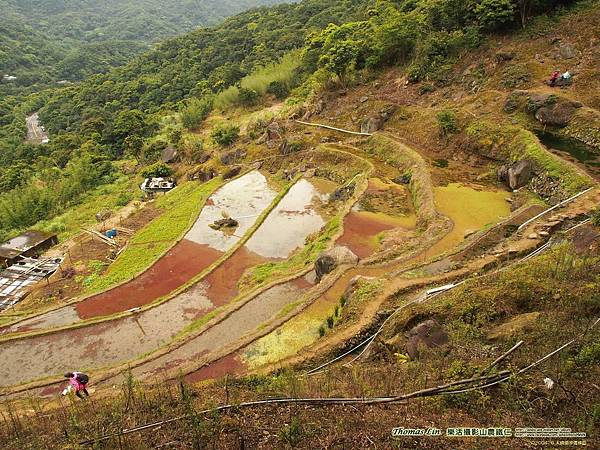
pixel 107 344
pixel 245 197
pixel 470 209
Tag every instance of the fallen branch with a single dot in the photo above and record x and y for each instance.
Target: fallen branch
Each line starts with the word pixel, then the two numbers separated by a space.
pixel 502 357
pixel 444 389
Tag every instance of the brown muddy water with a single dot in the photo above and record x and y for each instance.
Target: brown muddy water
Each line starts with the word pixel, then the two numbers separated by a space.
pixel 110 343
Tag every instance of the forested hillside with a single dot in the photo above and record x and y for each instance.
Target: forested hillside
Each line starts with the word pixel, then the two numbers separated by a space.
pixel 119 114
pixel 44 41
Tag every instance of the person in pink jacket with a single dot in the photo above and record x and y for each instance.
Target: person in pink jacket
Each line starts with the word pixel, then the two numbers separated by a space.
pixel 78 382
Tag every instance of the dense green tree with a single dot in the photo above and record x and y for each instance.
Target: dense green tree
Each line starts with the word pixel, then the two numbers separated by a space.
pixel 494 14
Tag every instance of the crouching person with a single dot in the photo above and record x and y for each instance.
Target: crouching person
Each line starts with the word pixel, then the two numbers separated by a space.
pixel 78 382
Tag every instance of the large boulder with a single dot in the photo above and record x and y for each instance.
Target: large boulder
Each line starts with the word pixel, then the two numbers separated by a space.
pixel 517 174
pixel 536 101
pixel 233 172
pixel 567 51
pixel 204 175
pixel 331 259
pixel 520 173
pixel 557 115
pixel 233 156
pixel 103 215
pixel 428 333
pixel 371 124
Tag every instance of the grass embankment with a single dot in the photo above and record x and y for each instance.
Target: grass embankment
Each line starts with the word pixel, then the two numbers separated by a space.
pixel 560 286
pixel 515 143
pixel 181 207
pixel 409 162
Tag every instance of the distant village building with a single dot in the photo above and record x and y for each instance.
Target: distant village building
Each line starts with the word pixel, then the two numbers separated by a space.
pixel 152 185
pixel 29 244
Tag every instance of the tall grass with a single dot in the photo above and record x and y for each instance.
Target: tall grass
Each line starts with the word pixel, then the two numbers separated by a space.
pixel 259 80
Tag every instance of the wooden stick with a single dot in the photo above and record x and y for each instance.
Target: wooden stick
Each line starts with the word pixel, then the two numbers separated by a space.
pixel 502 357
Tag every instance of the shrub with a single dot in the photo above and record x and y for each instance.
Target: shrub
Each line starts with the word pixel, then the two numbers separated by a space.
pixel 515 76
pixel 330 321
pixel 447 122
pixel 258 126
pixel 321 331
pixel 291 434
pixel 195 111
pixel 124 198
pixel 153 150
pixel 192 147
pixel 596 217
pixel 278 89
pixel 158 169
pixel 247 97
pixel 225 134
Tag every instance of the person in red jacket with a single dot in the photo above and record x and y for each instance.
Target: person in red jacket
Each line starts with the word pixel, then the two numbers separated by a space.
pixel 554 77
pixel 78 382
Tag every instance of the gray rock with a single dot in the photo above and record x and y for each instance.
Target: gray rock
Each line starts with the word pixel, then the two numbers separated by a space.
pixel 520 173
pixel 205 175
pixel 504 56
pixel 429 333
pixel 371 125
pixel 342 193
pixel 403 179
pixel 227 222
pixel 502 173
pixel 558 115
pixel 232 157
pixel 103 215
pixel 233 172
pixel 331 259
pixel 567 51
pixel 363 99
pixel 536 101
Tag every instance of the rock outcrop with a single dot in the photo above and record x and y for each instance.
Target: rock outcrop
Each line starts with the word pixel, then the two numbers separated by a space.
pixel 517 174
pixel 233 172
pixel 331 259
pixel 428 333
pixel 343 193
pixel 232 156
pixel 557 115
pixel 376 122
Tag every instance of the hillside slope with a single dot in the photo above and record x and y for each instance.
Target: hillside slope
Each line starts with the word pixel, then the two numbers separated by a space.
pixel 36 36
